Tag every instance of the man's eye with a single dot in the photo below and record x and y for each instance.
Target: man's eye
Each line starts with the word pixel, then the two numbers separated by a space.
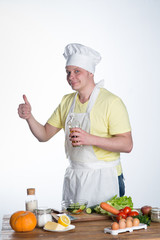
pixel 76 71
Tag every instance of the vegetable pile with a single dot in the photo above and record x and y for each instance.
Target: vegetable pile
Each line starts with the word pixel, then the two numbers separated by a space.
pixel 122 209
pixel 116 202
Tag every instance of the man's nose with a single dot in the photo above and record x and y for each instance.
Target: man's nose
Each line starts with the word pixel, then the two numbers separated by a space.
pixel 71 75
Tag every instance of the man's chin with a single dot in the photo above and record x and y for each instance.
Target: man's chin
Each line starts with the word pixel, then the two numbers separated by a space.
pixel 75 88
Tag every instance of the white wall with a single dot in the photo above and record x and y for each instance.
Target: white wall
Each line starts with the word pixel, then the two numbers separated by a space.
pixel 33 35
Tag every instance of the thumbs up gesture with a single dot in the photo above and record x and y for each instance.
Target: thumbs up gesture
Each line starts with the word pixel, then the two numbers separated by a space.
pixel 24 109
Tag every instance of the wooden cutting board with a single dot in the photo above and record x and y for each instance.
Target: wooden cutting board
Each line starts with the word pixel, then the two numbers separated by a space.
pixel 84 217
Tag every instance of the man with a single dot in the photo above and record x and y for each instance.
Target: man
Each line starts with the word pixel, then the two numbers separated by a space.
pixel 95 171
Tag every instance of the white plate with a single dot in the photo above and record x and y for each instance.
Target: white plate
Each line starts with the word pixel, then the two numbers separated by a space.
pixel 70 227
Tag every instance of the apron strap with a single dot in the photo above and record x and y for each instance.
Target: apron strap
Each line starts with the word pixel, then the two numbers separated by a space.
pixel 94 95
pixel 100 84
pixel 71 110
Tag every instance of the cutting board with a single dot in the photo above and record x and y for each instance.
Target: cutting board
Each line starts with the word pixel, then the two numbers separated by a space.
pixel 84 217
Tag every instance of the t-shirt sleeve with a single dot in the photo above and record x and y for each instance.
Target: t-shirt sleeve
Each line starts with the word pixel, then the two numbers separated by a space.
pixel 118 118
pixel 59 115
pixel 55 119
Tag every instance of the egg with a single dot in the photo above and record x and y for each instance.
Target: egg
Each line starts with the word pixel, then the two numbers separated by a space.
pixel 136 222
pixel 122 224
pixel 129 218
pixel 129 223
pixel 115 226
pixel 122 220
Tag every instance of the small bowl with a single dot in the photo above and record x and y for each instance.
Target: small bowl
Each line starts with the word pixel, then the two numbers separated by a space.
pixel 74 207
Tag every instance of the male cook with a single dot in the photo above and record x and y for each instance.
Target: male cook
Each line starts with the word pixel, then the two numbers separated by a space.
pixel 94 171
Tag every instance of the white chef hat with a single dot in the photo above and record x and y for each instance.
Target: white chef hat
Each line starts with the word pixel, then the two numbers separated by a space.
pixel 81 56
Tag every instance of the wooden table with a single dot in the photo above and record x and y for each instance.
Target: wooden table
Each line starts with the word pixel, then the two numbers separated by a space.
pixel 88 230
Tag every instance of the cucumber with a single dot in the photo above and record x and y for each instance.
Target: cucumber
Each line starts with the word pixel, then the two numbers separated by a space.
pixel 91 209
pixel 88 210
pixel 82 207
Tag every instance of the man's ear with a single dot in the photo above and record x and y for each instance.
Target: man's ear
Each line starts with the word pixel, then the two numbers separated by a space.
pixel 91 74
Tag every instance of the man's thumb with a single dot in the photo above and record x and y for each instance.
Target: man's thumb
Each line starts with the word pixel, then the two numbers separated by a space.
pixel 25 99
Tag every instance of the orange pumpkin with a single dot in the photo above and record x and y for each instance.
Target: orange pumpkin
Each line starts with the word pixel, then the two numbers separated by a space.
pixel 23 221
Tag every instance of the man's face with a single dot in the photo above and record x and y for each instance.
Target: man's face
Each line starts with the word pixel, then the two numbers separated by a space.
pixel 77 77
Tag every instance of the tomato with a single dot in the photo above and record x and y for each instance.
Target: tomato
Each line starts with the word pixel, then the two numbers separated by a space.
pixel 121 210
pixel 127 210
pixel 133 213
pixel 121 215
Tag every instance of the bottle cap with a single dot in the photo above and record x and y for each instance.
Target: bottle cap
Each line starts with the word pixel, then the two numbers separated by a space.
pixel 30 191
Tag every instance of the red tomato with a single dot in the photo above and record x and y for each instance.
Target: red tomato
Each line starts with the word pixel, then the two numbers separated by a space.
pixel 133 213
pixel 121 210
pixel 127 210
pixel 121 215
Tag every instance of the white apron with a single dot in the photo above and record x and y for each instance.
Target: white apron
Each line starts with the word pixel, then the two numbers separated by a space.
pixel 87 177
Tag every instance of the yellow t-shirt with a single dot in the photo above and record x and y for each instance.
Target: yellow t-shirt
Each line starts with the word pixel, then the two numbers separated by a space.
pixel 108 117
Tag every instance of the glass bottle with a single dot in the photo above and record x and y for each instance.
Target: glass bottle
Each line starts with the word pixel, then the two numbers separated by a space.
pixel 31 201
pixel 155 215
pixel 73 123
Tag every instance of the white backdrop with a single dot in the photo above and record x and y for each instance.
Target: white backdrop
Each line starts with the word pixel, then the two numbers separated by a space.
pixel 33 35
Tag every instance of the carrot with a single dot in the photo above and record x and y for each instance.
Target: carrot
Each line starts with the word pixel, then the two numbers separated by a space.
pixel 109 208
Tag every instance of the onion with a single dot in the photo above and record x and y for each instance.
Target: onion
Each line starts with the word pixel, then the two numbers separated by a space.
pixel 146 210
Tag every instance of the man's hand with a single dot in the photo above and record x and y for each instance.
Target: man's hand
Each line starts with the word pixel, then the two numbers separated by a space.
pixel 42 133
pixel 80 137
pixel 24 109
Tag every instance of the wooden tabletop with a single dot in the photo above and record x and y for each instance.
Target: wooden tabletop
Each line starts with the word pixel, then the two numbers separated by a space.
pixel 83 231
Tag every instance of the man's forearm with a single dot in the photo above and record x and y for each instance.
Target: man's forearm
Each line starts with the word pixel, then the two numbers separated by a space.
pixel 37 129
pixel 114 144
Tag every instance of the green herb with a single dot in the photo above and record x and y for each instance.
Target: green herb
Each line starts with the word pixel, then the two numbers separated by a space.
pixel 116 202
pixel 143 219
